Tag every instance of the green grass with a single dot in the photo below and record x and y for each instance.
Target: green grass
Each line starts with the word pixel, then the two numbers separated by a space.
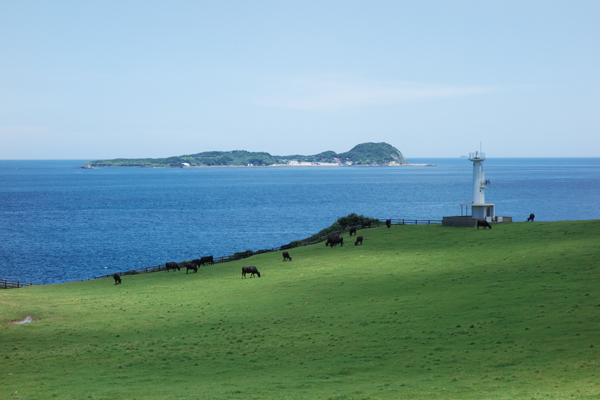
pixel 417 312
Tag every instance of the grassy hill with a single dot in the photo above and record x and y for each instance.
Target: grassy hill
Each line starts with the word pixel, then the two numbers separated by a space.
pixel 417 312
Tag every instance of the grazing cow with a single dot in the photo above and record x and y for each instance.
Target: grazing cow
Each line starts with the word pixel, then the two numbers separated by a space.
pixel 172 265
pixel 331 239
pixel 286 255
pixel 388 222
pixel 207 259
pixel 251 271
pixel 366 224
pixel 353 230
pixel 197 262
pixel 191 265
pixel 117 279
pixel 336 241
pixel 531 217
pixel 358 240
pixel 484 223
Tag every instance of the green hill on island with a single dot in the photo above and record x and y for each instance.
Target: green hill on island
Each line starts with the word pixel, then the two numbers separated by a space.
pixel 416 312
pixel 362 154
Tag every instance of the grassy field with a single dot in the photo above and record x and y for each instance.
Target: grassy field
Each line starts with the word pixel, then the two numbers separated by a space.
pixel 417 312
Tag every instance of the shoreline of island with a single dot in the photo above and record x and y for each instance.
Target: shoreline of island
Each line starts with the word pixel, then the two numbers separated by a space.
pixel 307 165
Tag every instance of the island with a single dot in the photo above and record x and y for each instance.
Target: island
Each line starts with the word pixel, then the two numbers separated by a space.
pixel 364 154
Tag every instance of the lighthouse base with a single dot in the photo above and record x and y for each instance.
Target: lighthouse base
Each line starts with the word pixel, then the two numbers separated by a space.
pixel 478 210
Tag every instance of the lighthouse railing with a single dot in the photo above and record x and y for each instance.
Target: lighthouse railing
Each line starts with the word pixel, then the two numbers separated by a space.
pixel 477 155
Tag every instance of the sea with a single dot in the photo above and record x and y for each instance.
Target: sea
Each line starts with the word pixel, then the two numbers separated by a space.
pixel 59 223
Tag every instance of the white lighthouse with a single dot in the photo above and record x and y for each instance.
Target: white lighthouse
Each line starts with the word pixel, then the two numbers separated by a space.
pixel 479 208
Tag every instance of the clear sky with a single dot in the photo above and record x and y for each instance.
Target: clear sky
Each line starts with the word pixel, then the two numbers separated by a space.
pixel 108 79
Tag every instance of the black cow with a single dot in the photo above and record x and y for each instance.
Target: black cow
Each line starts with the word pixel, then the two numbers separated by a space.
pixel 388 222
pixel 366 224
pixel 117 279
pixel 336 241
pixel 172 265
pixel 331 239
pixel 353 230
pixel 251 271
pixel 531 217
pixel 207 259
pixel 191 265
pixel 358 240
pixel 484 223
pixel 286 255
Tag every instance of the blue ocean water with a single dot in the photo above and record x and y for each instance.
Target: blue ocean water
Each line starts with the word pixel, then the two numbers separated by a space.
pixel 60 223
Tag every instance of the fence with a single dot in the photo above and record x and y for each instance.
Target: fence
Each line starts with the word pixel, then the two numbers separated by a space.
pixel 6 284
pixel 323 236
pixel 297 243
pixel 239 256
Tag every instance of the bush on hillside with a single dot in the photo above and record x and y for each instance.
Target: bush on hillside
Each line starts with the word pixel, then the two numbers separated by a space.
pixel 342 223
pixel 243 254
pixel 346 222
pixel 352 219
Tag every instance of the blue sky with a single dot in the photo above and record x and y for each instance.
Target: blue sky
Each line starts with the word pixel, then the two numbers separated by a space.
pixel 108 79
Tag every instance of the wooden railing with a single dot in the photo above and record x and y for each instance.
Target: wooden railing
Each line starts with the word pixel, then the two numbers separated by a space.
pixel 6 284
pixel 297 243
